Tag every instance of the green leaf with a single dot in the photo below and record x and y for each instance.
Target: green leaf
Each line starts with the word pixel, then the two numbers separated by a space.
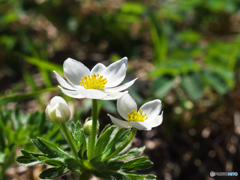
pixel 111 145
pixel 162 85
pixel 43 64
pixel 2 157
pixel 123 138
pixel 29 158
pixel 49 149
pixel 28 161
pixel 111 175
pixel 137 164
pixel 97 164
pixel 216 81
pixel 53 173
pixel 2 141
pixel 54 162
pixel 131 153
pixel 105 128
pixel 73 127
pixel 73 165
pixel 103 141
pixel 150 177
pixel 159 38
pixel 80 138
pixel 78 126
pixel 114 165
pixel 136 176
pixel 133 176
pixel 193 86
pixel 19 97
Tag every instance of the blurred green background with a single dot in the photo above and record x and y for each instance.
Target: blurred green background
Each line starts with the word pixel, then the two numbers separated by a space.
pixel 185 52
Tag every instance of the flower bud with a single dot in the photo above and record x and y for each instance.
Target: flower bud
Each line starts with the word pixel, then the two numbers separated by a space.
pixel 88 127
pixel 58 111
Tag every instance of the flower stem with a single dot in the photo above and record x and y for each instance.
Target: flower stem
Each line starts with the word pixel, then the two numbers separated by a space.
pixel 69 138
pixel 85 175
pixel 94 129
pixel 134 131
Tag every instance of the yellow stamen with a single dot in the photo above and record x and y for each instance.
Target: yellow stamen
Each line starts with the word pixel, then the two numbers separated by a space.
pixel 137 116
pixel 94 82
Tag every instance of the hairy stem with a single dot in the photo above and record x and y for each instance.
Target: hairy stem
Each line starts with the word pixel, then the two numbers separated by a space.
pixel 69 138
pixel 94 129
pixel 85 175
pixel 134 131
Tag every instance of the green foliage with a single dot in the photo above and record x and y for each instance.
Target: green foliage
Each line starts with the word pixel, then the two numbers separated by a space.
pixel 19 97
pixel 15 130
pixel 193 79
pixel 110 139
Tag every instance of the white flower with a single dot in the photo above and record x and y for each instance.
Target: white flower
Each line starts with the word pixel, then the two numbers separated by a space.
pixel 146 118
pixel 99 83
pixel 58 111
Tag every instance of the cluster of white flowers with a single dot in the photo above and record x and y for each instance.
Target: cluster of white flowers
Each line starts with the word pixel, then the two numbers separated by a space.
pixel 103 83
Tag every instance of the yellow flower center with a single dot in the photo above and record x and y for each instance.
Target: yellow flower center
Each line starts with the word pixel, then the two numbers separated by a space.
pixel 137 116
pixel 93 82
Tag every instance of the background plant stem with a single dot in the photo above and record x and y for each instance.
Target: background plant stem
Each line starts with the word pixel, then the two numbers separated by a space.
pixel 94 129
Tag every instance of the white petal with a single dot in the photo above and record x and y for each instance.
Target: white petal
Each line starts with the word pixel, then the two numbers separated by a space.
pixel 98 68
pixel 74 71
pixel 115 72
pixel 47 111
pixel 115 79
pixel 92 93
pixel 120 123
pixel 141 125
pixel 121 87
pixel 73 94
pixel 57 99
pixel 114 95
pixel 125 105
pixel 157 121
pixel 62 82
pixel 152 109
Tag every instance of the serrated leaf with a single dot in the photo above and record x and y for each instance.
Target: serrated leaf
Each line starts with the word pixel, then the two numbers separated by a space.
pixel 131 153
pixel 97 164
pixel 80 139
pixel 105 128
pixel 73 128
pixel 53 173
pixel 137 164
pixel 111 145
pixel 135 176
pixel 123 138
pixel 193 86
pixel 78 126
pixel 103 141
pixel 49 149
pixel 72 164
pixel 114 165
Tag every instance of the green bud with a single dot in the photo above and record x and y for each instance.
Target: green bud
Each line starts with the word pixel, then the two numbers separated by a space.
pixel 58 111
pixel 88 127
